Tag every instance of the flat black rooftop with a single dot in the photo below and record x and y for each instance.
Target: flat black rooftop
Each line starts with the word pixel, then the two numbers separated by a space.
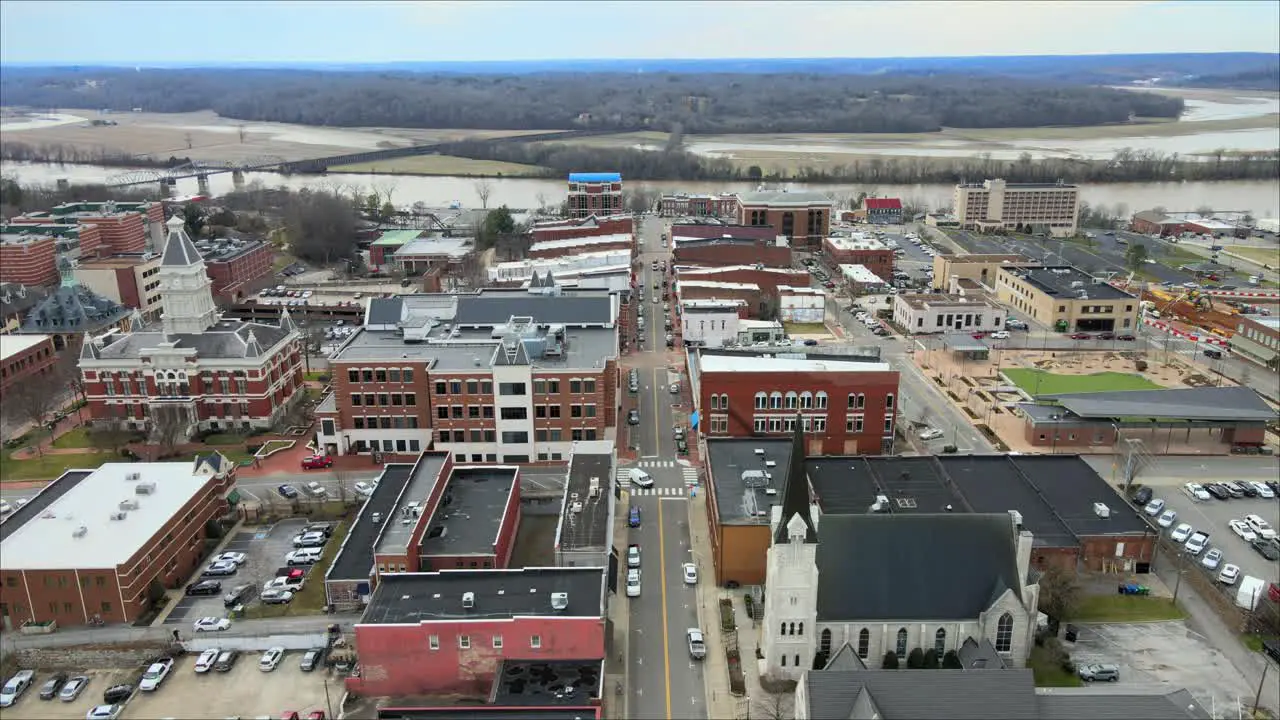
pixel 740 503
pixel 559 682
pixel 850 485
pixel 470 513
pixel 488 712
pixel 43 499
pixel 1238 404
pixel 1071 487
pixel 590 527
pixel 1058 281
pixel 411 598
pixel 355 557
pixel 994 484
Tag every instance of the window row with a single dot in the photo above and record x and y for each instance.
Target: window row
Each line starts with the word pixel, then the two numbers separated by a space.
pixel 399 446
pixel 1003 643
pixel 791 401
pixel 721 402
pixel 381 375
pixel 384 399
pixel 516 437
pixel 464 642
pixel 385 422
pixel 773 425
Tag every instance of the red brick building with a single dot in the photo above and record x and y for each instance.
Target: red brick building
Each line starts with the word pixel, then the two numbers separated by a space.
pixel 579 245
pixel 713 244
pixel 451 631
pixel 24 359
pixel 124 227
pixel 848 406
pixel 237 267
pixel 595 194
pixel 119 529
pixel 738 281
pixel 224 374
pixel 724 205
pixel 803 217
pixel 589 226
pixel 883 211
pixel 861 250
pixel 131 280
pixel 497 376
pixel 28 258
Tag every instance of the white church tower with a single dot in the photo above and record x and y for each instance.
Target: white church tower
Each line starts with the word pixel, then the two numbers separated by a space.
pixel 185 287
pixel 790 630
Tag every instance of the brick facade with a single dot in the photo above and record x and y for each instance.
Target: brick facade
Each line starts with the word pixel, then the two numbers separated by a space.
pixel 26 359
pixel 804 218
pixel 240 274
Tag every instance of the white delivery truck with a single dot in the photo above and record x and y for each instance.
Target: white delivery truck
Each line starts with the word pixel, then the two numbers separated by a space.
pixel 1250 591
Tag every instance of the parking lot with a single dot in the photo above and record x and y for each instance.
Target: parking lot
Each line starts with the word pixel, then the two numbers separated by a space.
pixel 264 551
pixel 1168 654
pixel 1212 516
pixel 31 707
pixel 245 691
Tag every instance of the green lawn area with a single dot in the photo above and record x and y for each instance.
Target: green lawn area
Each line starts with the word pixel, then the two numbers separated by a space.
pixel 1266 256
pixel 1125 608
pixel 1049 673
pixel 49 467
pixel 1055 384
pixel 315 375
pixel 74 438
pixel 310 600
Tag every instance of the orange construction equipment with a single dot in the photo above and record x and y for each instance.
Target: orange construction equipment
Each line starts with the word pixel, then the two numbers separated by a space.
pixel 1195 309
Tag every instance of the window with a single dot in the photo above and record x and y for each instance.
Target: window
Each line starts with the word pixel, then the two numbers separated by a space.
pixel 539 387
pixel 864 643
pixel 510 437
pixel 394 375
pixel 380 375
pixel 408 374
pixel 355 399
pixel 455 387
pixel 553 411
pixel 791 401
pixel 888 401
pixel 575 411
pixel 715 402
pixel 853 424
pixel 553 387
pixel 540 411
pixel 442 388
pixel 724 402
pixel 775 401
pixel 901 649
pixel 486 387
pixel 515 413
pixel 800 631
pixel 442 412
pixel 1004 633
pixel 940 642
pixel 761 401
pixel 862 401
pixel 464 641
pixel 473 387
pixel 535 641
pixel 497 642
pixel 473 412
pixel 822 401
pixel 456 412
pixel 824 644
pixel 588 386
pixel 853 400
pixel 575 385
pixel 806 401
pixel 759 425
pixel 433 642
pixel 511 389
pixel 353 376
pixel 383 400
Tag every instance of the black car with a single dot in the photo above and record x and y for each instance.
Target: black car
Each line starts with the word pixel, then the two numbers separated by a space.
pixel 204 587
pixel 1218 490
pixel 326 528
pixel 1266 548
pixel 1271 646
pixel 1275 486
pixel 1234 489
pixel 1142 497
pixel 1249 490
pixel 237 595
pixel 288 492
pixel 49 690
pixel 312 659
pixel 116 694
pixel 633 417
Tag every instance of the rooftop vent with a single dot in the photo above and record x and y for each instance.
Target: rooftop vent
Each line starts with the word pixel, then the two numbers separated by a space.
pixel 1017 518
pixel 760 452
pixel 881 504
pixel 133 476
pixel 1101 510
pixel 468 600
pixel 145 488
pixel 576 507
pixel 559 600
pixel 594 490
pixel 770 463
pixel 119 515
pixel 770 491
pixel 129 504
pixel 80 532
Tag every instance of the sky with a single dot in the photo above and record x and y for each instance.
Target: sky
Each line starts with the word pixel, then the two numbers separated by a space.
pixel 373 31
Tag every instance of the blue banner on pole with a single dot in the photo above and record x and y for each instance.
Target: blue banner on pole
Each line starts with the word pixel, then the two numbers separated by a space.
pixel 693 420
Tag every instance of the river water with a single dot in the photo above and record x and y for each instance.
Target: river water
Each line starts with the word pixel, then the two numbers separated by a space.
pixel 1260 197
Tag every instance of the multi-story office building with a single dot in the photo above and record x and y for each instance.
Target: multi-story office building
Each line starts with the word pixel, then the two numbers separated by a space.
pixel 1257 338
pixel 803 217
pixel 682 205
pixel 923 314
pixel 1052 208
pixel 1067 299
pixel 511 376
pixel 236 267
pixel 124 227
pixel 862 250
pixel 132 280
pixel 24 359
pixel 595 194
pixel 28 258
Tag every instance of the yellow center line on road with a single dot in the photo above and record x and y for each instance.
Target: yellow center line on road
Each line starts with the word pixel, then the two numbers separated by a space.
pixel 666 636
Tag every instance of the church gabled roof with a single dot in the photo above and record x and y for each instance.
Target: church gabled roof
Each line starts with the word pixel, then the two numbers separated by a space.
pixel 795 496
pixel 178 248
pixel 87 349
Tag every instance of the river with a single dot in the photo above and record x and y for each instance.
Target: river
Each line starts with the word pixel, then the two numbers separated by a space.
pixel 1259 197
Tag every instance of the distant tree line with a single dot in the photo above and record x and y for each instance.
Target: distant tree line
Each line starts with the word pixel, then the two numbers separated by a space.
pixel 1257 79
pixel 697 103
pixel 97 155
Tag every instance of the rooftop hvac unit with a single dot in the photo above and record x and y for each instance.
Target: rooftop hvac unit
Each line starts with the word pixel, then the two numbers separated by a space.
pixel 575 508
pixel 128 504
pixel 559 600
pixel 119 515
pixel 770 463
pixel 133 476
pixel 594 487
pixel 881 504
pixel 468 600
pixel 145 488
pixel 770 491
pixel 1017 518
pixel 1101 510
pixel 80 532
pixel 760 452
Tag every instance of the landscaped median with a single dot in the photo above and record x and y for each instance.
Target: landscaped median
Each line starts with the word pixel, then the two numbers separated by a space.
pixel 1041 382
pixel 311 599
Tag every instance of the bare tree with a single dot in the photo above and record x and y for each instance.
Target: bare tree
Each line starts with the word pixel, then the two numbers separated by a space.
pixel 190 142
pixel 169 424
pixel 242 132
pixel 542 200
pixel 484 189
pixel 775 705
pixel 32 402
pixel 341 481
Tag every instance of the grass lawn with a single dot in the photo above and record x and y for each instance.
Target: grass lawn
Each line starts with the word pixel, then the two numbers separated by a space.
pixel 444 165
pixel 49 467
pixel 1266 256
pixel 1125 608
pixel 1055 384
pixel 310 600
pixel 806 329
pixel 315 375
pixel 1049 673
pixel 74 438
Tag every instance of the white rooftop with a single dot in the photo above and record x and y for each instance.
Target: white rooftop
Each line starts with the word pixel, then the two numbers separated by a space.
pixel 860 274
pixel 580 242
pixel 453 247
pixel 11 345
pixel 756 363
pixel 857 242
pixel 799 290
pixel 49 541
pixel 685 270
pixel 726 303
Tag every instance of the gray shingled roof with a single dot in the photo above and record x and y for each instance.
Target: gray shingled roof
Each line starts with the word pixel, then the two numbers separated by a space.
pixel 1084 704
pixel 924 694
pixel 1207 403
pixel 179 250
pixel 73 308
pixel 497 308
pixel 979 655
pixel 228 339
pixel 384 311
pixel 845 658
pixel 896 567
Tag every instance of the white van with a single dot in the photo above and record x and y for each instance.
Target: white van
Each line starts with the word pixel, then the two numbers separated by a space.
pixel 640 478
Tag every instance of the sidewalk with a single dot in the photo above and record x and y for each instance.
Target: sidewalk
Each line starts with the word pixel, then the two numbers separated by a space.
pixel 721 702
pixel 617 650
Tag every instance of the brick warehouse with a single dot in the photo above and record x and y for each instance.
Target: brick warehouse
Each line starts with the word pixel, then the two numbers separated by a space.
pixel 589 226
pixel 124 227
pixel 848 406
pixel 803 217
pixel 757 286
pixel 718 245
pixel 236 267
pixel 861 250
pixel 132 524
pixel 24 359
pixel 594 194
pixel 28 258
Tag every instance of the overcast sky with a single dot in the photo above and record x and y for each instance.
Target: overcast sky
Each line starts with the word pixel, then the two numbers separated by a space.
pixel 340 31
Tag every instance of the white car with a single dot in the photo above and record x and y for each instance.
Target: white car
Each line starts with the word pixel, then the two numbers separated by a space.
pixel 281 583
pixel 1242 529
pixel 304 556
pixel 1154 508
pixel 1263 490
pixel 1167 518
pixel 690 574
pixel 1212 559
pixel 1181 533
pixel 1229 575
pixel 1196 492
pixel 232 557
pixel 271 659
pixel 1000 335
pixel 1196 544
pixel 276 596
pixel 640 478
pixel 211 624
pixel 155 674
pixel 104 712
pixel 930 434
pixel 5 507
pixel 316 489
pixel 311 539
pixel 1260 526
pixel 205 662
pixel 633 583
pixel 364 489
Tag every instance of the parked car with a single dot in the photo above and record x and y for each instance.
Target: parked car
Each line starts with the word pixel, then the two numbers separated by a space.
pixel 1261 527
pixel 49 690
pixel 1218 490
pixel 226 660
pixel 633 582
pixel 1266 548
pixel 931 434
pixel 1196 544
pixel 271 659
pixel 690 572
pixel 633 556
pixel 232 557
pixel 117 694
pixel 104 712
pixel 633 417
pixel 309 539
pixel 1126 337
pixel 1142 497
pixel 315 489
pixel 1167 518
pixel 17 685
pixel 220 569
pixel 1212 559
pixel 633 518
pixel 363 489
pixel 314 462
pixel 205 662
pixel 697 645
pixel 287 492
pixel 1081 336
pixel 211 624
pixel 1229 575
pixel 73 688
pixel 640 478
pixel 204 587
pixel 237 595
pixel 1242 530
pixel 1234 489
pixel 1196 492
pixel 1264 490
pixel 1099 672
pixel 154 675
pixel 1181 533
pixel 311 659
pixel 304 556
pixel 1154 508
pixel 276 596
pixel 1000 335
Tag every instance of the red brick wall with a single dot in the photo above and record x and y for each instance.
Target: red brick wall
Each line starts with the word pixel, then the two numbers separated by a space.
pixel 764 252
pixel 27 366
pixel 398 660
pixel 741 387
pixel 768 280
pixel 127 285
pixel 232 277
pixel 615 225
pixel 1099 551
pixel 879 262
pixel 800 236
pixel 751 297
pixel 29 263
pixel 579 249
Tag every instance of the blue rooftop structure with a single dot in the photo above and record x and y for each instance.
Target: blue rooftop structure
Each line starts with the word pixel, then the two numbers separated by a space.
pixel 595 177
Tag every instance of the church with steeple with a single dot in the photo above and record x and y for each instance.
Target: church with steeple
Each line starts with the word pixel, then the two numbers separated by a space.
pixel 208 372
pixel 872 588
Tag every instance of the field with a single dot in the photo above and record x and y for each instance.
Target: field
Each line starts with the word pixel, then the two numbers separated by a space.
pixel 1266 256
pixel 1040 382
pixel 443 165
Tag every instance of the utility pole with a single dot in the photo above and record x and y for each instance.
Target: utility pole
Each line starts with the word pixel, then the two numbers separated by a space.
pixel 1178 584
pixel 1257 698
